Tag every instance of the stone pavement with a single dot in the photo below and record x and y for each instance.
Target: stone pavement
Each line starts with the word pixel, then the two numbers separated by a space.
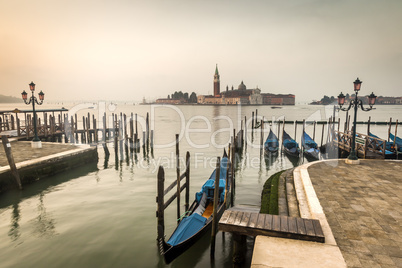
pixel 22 151
pixel 363 206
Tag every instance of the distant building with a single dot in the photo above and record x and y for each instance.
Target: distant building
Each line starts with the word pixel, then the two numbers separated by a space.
pixel 243 95
pixel 170 101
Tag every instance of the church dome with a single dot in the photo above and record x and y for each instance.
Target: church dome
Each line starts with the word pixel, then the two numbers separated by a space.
pixel 242 86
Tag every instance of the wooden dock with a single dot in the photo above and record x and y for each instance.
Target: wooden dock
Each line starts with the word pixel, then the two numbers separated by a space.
pixel 253 224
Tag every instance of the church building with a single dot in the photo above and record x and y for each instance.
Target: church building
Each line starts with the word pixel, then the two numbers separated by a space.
pixel 242 95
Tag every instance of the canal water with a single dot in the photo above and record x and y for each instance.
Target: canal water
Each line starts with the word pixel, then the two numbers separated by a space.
pixel 103 215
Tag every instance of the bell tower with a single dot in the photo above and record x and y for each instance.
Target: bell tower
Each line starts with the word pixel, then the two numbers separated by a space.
pixel 217 83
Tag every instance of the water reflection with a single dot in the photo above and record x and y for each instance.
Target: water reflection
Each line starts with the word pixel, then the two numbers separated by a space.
pixel 44 223
pixel 14 232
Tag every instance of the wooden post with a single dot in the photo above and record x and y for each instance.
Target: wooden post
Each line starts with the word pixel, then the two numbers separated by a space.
pixel 147 129
pixel 314 130
pixel 216 201
pixel 389 127
pixel 160 213
pixel 83 138
pixel 177 177
pixel 104 128
pixel 346 121
pixel 245 132
pixel 10 158
pixel 132 126
pixel 279 128
pixel 187 178
pixel 262 137
pixel 396 133
pixel 136 126
pixel 256 116
pixel 322 134
pixel 19 127
pixel 252 121
pixel 295 128
pixel 72 130
pixel 368 126
pixel 283 129
pixel 12 122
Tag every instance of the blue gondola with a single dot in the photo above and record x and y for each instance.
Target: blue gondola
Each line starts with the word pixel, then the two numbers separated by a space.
pixel 398 142
pixel 196 222
pixel 290 146
pixel 310 147
pixel 271 145
pixel 389 151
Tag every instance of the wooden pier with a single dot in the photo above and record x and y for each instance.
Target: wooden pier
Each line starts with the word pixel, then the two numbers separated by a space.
pixel 55 125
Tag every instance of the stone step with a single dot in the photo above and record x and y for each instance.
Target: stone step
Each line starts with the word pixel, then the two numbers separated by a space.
pixel 292 203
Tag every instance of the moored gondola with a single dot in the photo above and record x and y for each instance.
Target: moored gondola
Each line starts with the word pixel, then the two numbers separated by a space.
pixel 198 219
pixel 290 146
pixel 271 145
pixel 310 147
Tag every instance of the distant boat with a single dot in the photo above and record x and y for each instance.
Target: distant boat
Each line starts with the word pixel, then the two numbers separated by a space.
pixel 196 222
pixel 310 147
pixel 271 145
pixel 290 146
pixel 276 107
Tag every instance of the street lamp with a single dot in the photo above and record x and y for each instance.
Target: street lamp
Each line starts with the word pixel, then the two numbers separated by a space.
pixel 352 158
pixel 36 143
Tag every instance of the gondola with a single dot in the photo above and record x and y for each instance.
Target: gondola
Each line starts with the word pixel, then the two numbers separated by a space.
pixel 398 142
pixel 198 219
pixel 389 151
pixel 271 145
pixel 310 147
pixel 290 146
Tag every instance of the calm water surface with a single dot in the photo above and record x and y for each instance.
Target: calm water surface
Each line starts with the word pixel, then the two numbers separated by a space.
pixel 104 215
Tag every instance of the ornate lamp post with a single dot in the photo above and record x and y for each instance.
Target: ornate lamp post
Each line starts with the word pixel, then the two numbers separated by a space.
pixel 352 158
pixel 36 143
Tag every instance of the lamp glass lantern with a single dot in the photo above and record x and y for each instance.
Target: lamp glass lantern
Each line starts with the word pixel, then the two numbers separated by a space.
pixel 32 86
pixel 357 84
pixel 24 95
pixel 41 95
pixel 341 99
pixel 371 99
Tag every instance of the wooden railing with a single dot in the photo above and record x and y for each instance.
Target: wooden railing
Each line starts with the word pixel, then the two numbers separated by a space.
pixel 363 143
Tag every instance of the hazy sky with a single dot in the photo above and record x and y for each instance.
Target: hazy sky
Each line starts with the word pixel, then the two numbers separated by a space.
pixel 127 50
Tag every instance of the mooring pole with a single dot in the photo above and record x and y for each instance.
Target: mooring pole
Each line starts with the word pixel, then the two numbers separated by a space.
pixel 160 213
pixel 178 177
pixel 10 158
pixel 187 179
pixel 216 201
pixel 389 127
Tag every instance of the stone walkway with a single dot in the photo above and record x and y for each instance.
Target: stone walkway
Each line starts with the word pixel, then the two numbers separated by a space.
pixel 22 151
pixel 363 206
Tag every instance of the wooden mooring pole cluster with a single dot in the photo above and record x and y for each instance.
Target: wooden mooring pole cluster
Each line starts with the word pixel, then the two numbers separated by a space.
pixel 57 126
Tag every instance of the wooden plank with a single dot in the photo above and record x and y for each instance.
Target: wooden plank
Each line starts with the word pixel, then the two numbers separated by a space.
pixel 170 187
pixel 253 220
pixel 225 217
pixel 245 219
pixel 268 222
pixel 317 228
pixel 260 221
pixel 309 227
pixel 232 217
pixel 301 229
pixel 276 223
pixel 238 217
pixel 284 224
pixel 292 225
